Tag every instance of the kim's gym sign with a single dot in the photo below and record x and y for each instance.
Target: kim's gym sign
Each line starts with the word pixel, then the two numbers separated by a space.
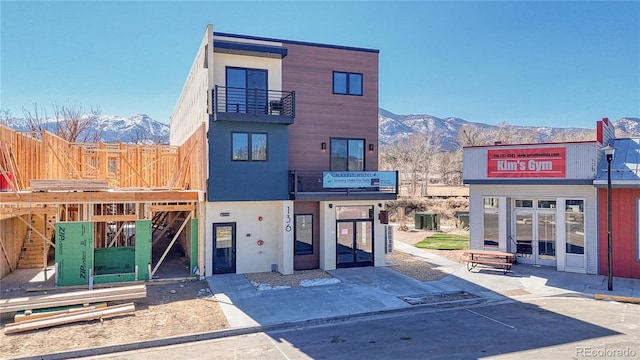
pixel 527 163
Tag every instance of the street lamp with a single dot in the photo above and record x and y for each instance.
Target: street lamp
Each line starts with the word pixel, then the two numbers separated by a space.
pixel 609 151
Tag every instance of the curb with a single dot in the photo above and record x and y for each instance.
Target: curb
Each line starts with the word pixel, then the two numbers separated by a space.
pixel 218 334
pixel 618 298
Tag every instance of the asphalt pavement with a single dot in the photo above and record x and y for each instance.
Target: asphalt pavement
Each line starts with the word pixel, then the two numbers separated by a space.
pixel 369 290
pixel 376 291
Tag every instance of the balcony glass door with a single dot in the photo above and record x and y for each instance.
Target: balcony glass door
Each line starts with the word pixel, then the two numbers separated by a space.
pixel 246 90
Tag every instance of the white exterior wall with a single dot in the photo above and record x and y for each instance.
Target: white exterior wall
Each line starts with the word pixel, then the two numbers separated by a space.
pixel 273 66
pixel 272 230
pixel 193 106
pixel 328 232
pixel 506 194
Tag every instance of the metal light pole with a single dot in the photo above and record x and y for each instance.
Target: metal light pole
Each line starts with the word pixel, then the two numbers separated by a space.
pixel 609 151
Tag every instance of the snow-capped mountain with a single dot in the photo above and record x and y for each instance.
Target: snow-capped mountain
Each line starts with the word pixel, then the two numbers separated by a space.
pixel 139 128
pixel 628 125
pixel 393 127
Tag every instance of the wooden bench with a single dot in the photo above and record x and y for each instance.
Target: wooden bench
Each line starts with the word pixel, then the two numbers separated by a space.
pixel 497 259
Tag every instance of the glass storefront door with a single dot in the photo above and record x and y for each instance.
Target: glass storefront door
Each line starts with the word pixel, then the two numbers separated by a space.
pixel 354 244
pixel 535 232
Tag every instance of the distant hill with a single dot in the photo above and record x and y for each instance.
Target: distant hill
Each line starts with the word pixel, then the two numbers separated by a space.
pixel 139 128
pixel 393 127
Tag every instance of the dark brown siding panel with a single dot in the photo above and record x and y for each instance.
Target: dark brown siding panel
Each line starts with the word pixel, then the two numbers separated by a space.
pixel 320 114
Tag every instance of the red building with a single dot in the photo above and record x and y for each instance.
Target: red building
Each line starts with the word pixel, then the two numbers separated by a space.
pixel 625 205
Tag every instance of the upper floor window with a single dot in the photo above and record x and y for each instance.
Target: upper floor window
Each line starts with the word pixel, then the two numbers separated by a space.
pixel 241 143
pixel 347 154
pixel 347 83
pixel 246 90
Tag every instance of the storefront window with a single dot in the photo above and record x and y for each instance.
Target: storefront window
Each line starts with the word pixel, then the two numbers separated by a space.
pixel 546 204
pixel 574 215
pixel 491 223
pixel 354 212
pixel 524 203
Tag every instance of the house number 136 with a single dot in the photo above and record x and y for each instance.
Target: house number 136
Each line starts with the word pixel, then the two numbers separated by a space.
pixel 287 223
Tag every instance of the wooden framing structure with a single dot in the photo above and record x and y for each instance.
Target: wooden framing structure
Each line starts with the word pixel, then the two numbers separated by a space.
pixel 52 180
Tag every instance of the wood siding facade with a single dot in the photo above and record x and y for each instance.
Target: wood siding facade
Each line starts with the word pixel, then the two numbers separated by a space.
pixel 322 115
pixel 624 232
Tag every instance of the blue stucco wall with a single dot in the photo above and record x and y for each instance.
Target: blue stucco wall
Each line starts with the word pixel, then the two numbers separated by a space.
pixel 248 180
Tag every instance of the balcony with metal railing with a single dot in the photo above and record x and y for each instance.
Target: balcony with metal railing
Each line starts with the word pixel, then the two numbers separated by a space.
pixel 253 105
pixel 343 185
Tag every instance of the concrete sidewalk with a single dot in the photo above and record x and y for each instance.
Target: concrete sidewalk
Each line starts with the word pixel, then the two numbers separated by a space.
pixel 379 289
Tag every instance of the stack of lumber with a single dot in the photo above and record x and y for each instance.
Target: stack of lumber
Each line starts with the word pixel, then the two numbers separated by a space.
pixel 81 315
pixel 69 185
pixel 57 316
pixel 42 313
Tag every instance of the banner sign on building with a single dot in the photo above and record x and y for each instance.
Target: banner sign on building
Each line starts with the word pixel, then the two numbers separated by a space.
pixel 527 163
pixel 358 179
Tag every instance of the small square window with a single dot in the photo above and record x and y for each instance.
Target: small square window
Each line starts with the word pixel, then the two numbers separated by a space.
pixel 242 142
pixel 345 83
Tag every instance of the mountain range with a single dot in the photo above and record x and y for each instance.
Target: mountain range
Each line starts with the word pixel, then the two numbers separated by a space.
pixel 141 128
pixel 138 128
pixel 394 127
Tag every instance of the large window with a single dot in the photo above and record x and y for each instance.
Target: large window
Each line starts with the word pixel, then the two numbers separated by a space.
pixel 304 235
pixel 246 90
pixel 347 154
pixel 241 143
pixel 490 211
pixel 574 224
pixel 347 83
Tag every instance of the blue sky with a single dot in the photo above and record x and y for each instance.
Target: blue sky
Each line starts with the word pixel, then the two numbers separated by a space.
pixel 525 63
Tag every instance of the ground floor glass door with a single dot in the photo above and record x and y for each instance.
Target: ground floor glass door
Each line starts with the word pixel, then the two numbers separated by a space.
pixel 354 243
pixel 224 248
pixel 535 236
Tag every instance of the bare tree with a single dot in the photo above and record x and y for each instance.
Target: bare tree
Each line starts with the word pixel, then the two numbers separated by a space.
pixel 36 117
pixel 5 117
pixel 142 137
pixel 413 157
pixel 471 135
pixel 449 166
pixel 507 134
pixel 568 135
pixel 75 125
pixel 70 122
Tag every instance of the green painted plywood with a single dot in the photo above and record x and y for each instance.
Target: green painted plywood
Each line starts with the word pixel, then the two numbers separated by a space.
pixel 104 279
pixel 74 252
pixel 114 260
pixel 143 248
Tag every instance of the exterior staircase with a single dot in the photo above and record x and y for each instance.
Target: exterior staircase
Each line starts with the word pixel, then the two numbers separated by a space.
pixel 35 249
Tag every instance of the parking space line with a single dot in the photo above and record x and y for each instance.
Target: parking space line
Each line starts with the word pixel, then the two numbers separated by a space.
pixel 492 319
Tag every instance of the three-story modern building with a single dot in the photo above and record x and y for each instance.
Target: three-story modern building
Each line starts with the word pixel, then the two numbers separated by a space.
pixel 292 154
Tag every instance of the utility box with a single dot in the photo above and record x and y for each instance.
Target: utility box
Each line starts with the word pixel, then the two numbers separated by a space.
pixel 427 221
pixel 463 219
